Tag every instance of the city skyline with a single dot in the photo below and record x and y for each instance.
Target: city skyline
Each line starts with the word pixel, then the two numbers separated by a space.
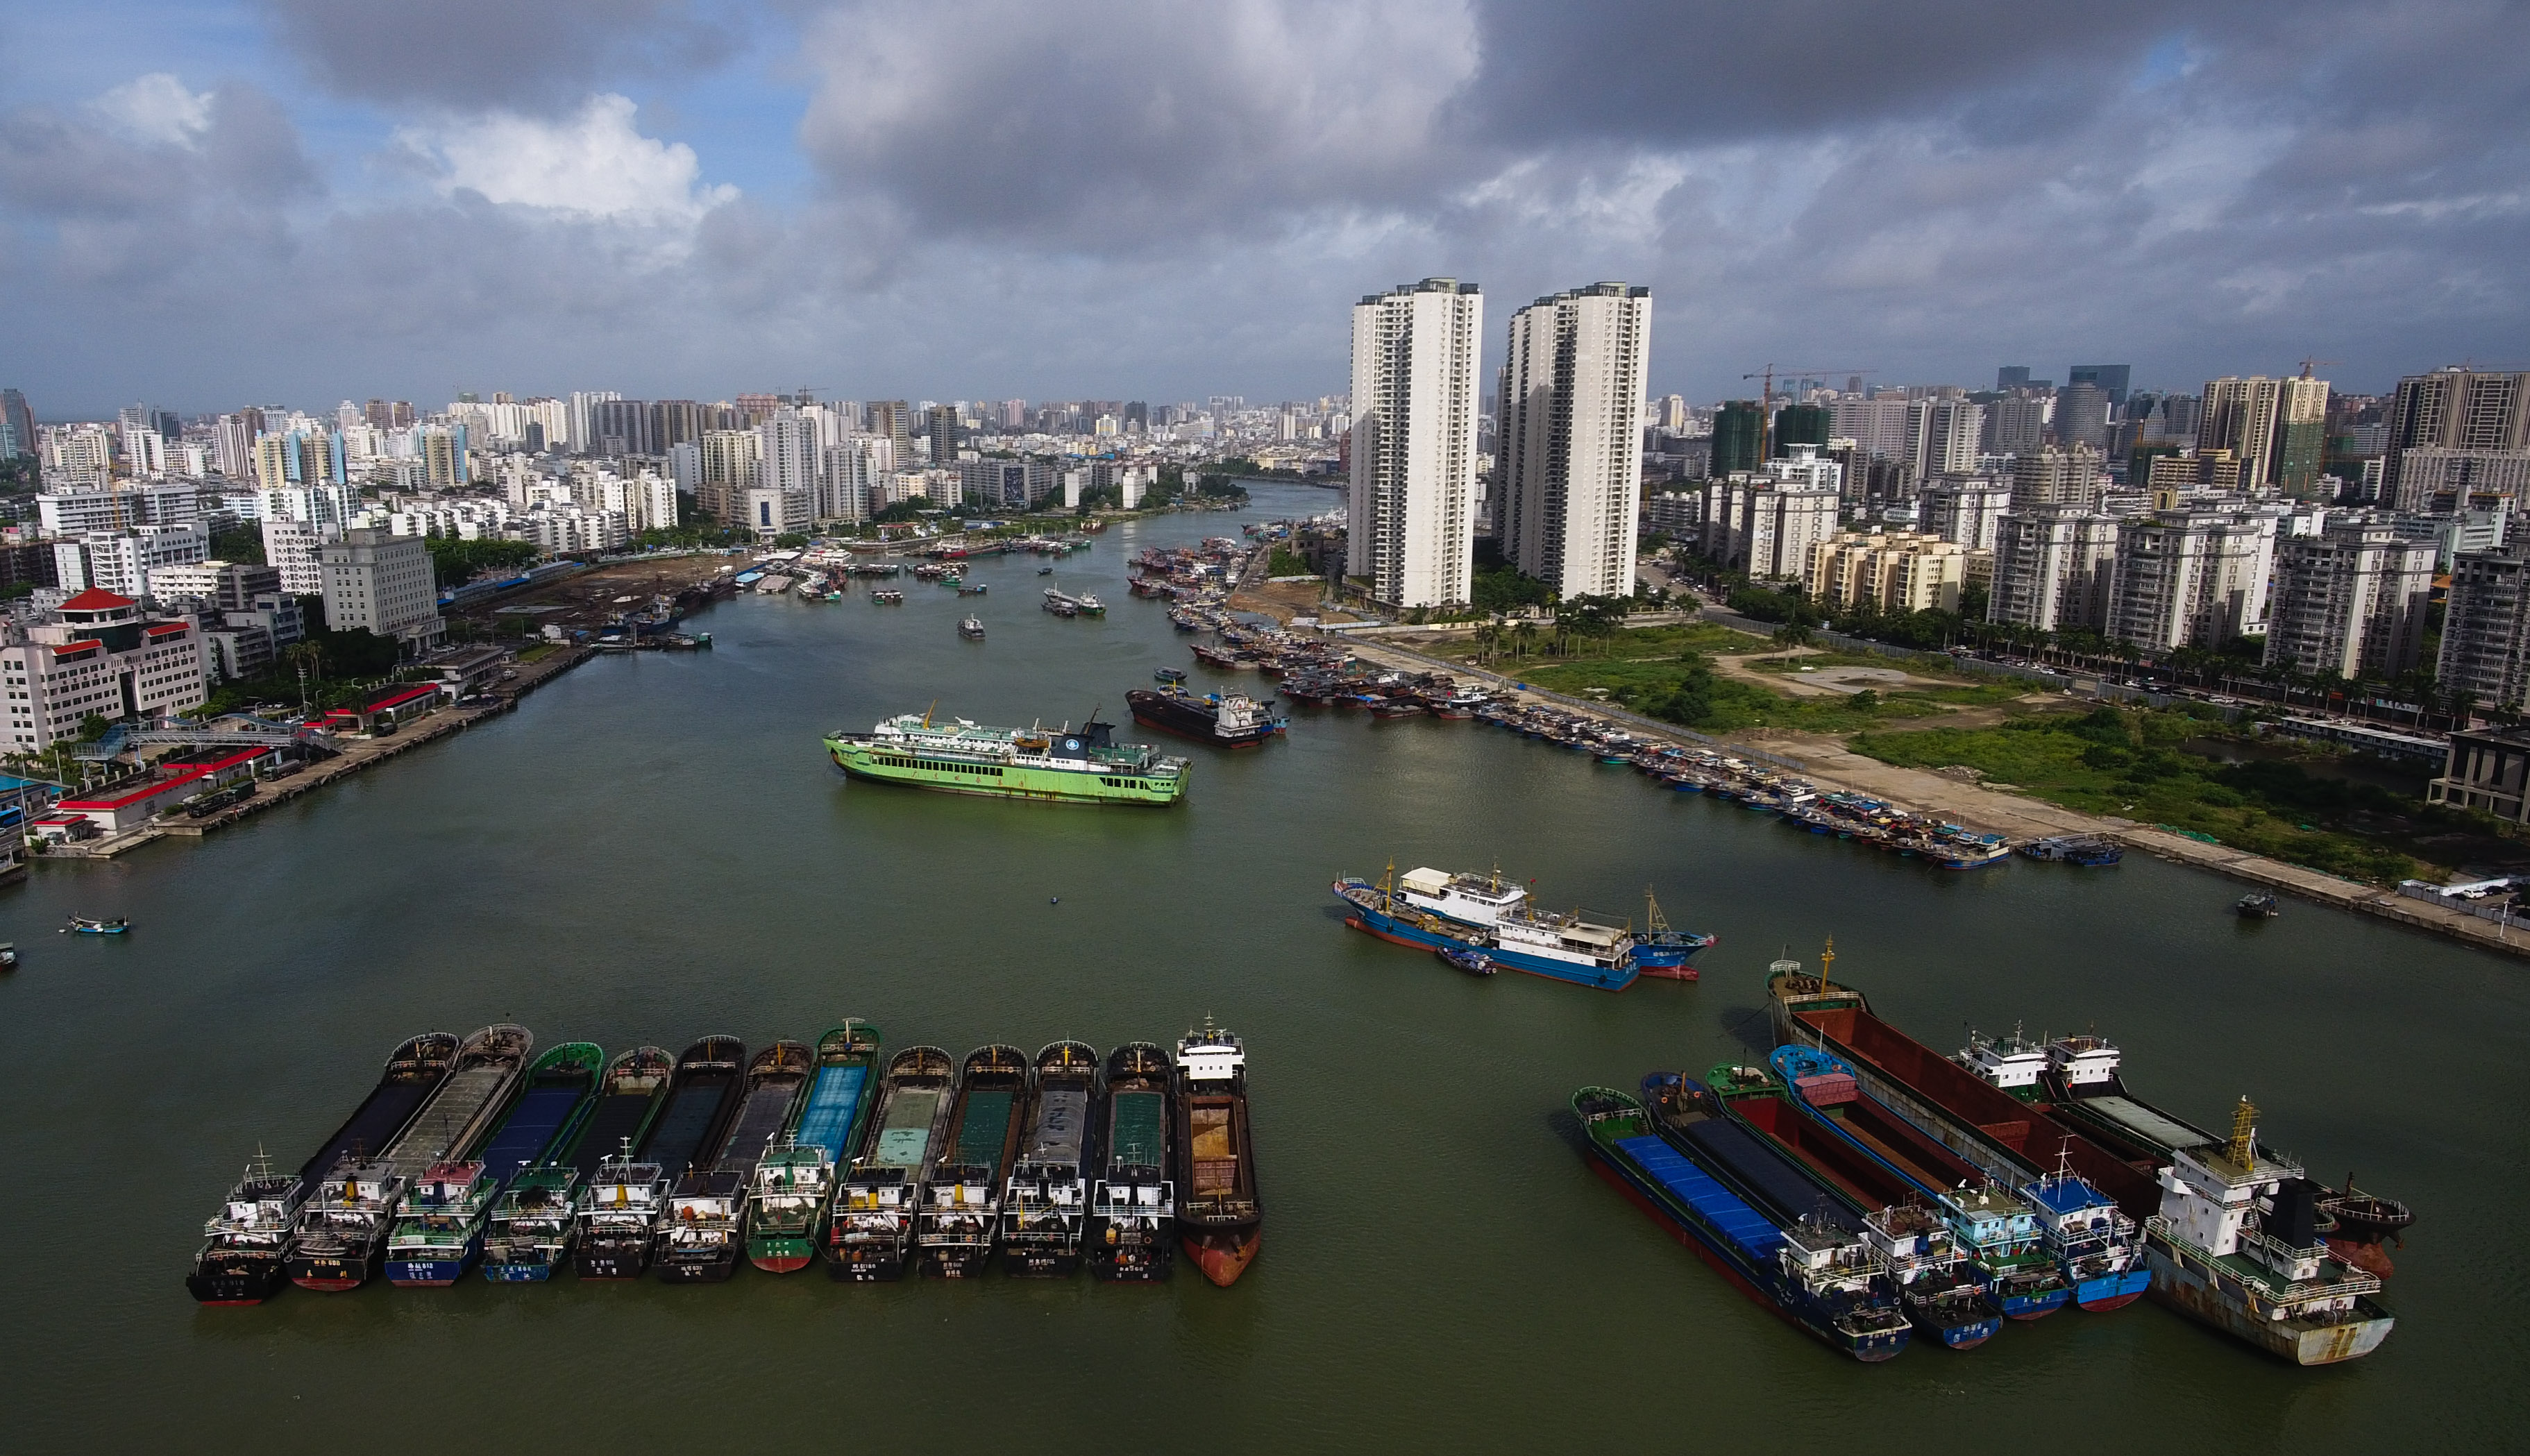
pixel 675 203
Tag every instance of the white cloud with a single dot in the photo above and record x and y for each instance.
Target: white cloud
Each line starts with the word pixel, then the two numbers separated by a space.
pixel 595 164
pixel 156 108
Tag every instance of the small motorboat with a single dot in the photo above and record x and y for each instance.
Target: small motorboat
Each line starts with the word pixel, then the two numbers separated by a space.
pixel 1045 570
pixel 972 589
pixel 887 597
pixel 1168 675
pixel 2258 906
pixel 1473 962
pixel 81 925
pixel 8 956
pixel 972 629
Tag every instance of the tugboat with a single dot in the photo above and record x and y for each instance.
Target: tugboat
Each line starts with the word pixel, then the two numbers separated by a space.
pixel 1230 720
pixel 961 1196
pixel 241 1262
pixel 871 1232
pixel 1132 1206
pixel 701 1236
pixel 1817 1278
pixel 246 1257
pixel 1048 1195
pixel 787 1207
pixel 1220 1217
pixel 1473 962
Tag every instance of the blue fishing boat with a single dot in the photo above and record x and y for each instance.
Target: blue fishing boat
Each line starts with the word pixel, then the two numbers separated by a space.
pixel 1561 947
pixel 82 926
pixel 1815 1276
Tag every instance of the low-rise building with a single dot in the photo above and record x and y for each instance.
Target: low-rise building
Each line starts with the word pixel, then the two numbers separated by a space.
pixel 1892 571
pixel 97 655
pixel 2487 769
pixel 384 709
pixel 129 806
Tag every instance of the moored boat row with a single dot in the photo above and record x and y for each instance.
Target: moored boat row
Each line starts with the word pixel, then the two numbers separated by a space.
pixel 677 1166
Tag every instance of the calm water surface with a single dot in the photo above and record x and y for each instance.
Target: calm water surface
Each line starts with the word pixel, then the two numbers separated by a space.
pixel 653 848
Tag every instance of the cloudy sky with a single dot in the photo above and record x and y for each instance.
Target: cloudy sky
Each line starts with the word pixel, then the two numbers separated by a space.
pixel 293 201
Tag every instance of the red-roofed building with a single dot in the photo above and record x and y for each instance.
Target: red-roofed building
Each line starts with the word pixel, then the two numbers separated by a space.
pixel 388 706
pixel 100 656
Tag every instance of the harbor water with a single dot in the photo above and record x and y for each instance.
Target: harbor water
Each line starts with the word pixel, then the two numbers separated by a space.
pixel 654 847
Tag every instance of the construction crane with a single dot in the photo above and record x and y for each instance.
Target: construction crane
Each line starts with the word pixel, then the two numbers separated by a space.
pixel 1766 394
pixel 2309 364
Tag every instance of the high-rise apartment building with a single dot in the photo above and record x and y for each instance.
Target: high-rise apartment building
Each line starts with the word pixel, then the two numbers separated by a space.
pixel 2436 481
pixel 1876 426
pixel 2452 409
pixel 1942 437
pixel 2351 601
pixel 2190 578
pixel 2486 628
pixel 2050 476
pixel 729 470
pixel 1413 497
pixel 1571 440
pixel 942 426
pixel 583 422
pixel 2081 416
pixel 1965 512
pixel 2051 568
pixel 2015 424
pixel 2275 427
pixel 17 426
pixel 2111 380
pixel 1738 428
pixel 856 470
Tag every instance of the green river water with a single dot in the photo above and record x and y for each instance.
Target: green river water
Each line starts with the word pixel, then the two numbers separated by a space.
pixel 653 848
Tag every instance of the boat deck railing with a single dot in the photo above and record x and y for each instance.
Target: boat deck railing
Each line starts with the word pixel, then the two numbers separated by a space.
pixel 2274 1286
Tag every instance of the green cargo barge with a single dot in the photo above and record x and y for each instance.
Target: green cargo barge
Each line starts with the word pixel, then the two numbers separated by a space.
pixel 1056 765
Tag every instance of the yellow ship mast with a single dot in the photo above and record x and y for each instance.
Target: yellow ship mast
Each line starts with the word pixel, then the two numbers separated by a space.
pixel 1827 961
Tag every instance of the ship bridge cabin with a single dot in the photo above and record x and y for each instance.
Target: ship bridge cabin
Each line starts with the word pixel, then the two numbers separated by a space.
pixel 2083 1061
pixel 1473 898
pixel 2011 1063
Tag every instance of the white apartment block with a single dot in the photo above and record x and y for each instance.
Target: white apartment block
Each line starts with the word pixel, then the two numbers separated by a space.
pixel 2054 478
pixel 293 547
pixel 2193 578
pixel 1765 526
pixel 1876 426
pixel 2437 481
pixel 1966 513
pixel 1413 498
pixel 121 561
pixel 568 529
pixel 772 512
pixel 382 584
pixel 1571 439
pixel 2051 568
pixel 99 655
pixel 119 507
pixel 1944 437
pixel 2351 601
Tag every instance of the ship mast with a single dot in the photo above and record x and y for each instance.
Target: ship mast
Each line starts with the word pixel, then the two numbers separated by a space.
pixel 1827 961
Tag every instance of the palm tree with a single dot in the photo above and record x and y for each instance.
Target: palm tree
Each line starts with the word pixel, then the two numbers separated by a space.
pixel 1524 638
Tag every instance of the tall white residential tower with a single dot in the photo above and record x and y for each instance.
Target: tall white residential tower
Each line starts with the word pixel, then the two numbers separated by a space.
pixel 1413 504
pixel 1571 439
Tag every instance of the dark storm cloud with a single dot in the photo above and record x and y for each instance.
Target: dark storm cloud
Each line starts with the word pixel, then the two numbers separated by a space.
pixel 528 55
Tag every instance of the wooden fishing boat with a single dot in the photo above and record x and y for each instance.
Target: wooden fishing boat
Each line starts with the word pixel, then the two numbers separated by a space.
pixel 962 1202
pixel 871 1233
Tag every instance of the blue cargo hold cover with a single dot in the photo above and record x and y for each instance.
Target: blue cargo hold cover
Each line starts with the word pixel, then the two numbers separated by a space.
pixel 533 1124
pixel 831 1105
pixel 1750 1230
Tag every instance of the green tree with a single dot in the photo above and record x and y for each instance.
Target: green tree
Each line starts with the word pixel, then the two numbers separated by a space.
pixel 456 562
pixel 790 541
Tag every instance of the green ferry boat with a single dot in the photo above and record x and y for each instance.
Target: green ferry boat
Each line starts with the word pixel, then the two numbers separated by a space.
pixel 1058 765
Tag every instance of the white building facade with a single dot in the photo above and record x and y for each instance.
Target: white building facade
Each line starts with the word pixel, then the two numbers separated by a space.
pixel 1413 498
pixel 382 584
pixel 1571 440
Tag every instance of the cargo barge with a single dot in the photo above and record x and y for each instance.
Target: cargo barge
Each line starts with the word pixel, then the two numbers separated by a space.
pixel 1940 1293
pixel 703 1233
pixel 962 1202
pixel 1220 1216
pixel 249 1243
pixel 1132 1203
pixel 795 1184
pixel 1816 1279
pixel 871 1233
pixel 1046 1205
pixel 628 1192
pixel 1223 720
